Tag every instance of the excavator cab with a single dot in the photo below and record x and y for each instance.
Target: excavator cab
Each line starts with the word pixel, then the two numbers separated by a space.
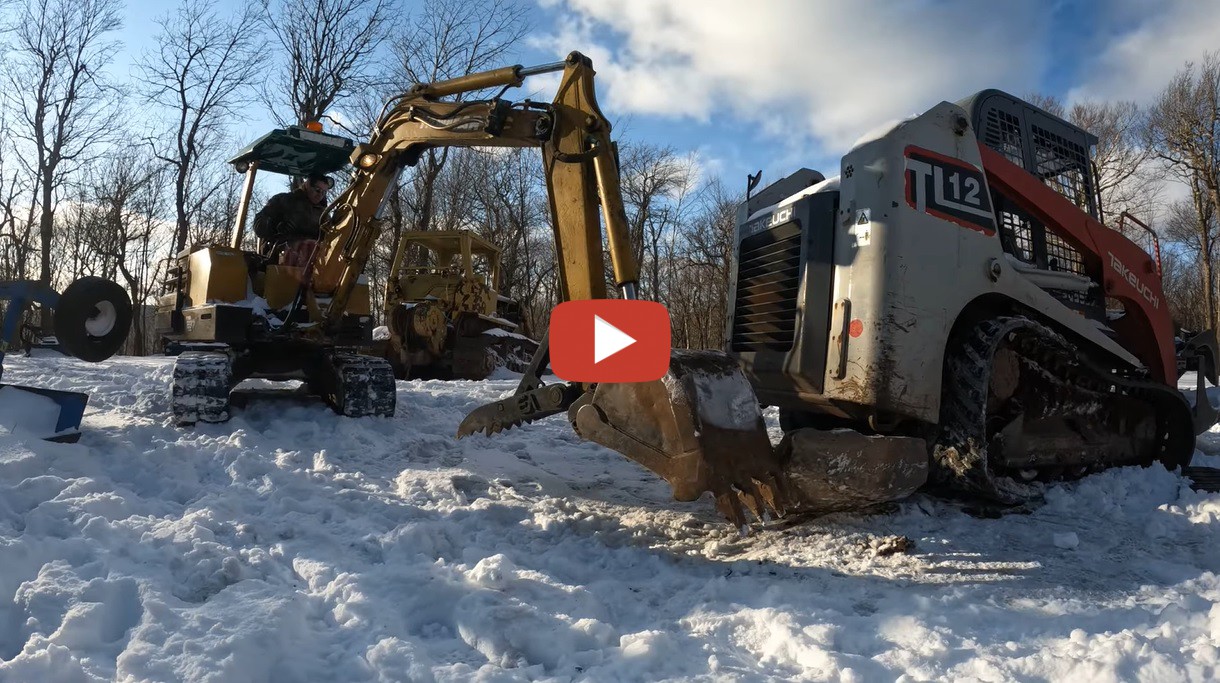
pixel 294 152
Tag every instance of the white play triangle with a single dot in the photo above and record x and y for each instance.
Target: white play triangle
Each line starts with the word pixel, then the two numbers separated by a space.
pixel 608 340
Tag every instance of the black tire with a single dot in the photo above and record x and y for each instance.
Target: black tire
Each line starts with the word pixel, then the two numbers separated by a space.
pixel 83 306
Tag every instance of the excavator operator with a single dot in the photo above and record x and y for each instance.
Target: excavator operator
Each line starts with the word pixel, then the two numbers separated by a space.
pixel 288 224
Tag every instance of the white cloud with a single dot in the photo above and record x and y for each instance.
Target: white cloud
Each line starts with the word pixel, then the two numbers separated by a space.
pixel 1149 41
pixel 820 72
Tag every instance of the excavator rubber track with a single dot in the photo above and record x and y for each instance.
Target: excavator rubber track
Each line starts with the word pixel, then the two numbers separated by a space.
pixel 1022 404
pixel 201 384
pixel 357 385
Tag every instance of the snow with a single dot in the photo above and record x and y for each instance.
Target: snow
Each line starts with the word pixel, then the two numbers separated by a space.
pixel 292 544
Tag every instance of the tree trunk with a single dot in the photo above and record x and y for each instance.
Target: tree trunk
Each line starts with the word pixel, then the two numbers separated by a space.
pixel 180 200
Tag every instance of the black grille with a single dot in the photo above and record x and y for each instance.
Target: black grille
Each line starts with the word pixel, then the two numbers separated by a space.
pixel 768 280
pixel 1064 165
pixel 1003 134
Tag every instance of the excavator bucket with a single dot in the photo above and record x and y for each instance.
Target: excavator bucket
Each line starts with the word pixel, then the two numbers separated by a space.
pixel 1199 353
pixel 699 427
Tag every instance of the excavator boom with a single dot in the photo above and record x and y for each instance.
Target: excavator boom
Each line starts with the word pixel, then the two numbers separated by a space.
pixel 577 154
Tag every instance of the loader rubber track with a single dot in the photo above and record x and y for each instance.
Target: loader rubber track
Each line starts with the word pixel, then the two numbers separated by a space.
pixel 201 384
pixel 1118 420
pixel 1203 478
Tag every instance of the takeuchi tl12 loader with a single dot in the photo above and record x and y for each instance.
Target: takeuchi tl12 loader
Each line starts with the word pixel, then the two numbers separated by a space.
pixel 947 312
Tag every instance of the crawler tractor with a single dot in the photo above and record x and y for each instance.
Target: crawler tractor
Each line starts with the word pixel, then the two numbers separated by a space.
pixel 446 319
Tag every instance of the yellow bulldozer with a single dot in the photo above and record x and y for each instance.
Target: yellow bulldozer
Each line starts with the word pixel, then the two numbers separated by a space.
pixel 444 315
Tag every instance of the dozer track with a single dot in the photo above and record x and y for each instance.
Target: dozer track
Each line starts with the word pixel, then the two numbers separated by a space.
pixel 1022 404
pixel 201 384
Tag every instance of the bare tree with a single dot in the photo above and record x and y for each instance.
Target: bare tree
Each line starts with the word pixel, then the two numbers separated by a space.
pixel 1184 289
pixel 1126 178
pixel 54 81
pixel 15 230
pixel 654 179
pixel 452 38
pixel 199 73
pixel 1193 232
pixel 699 294
pixel 329 48
pixel 123 199
pixel 215 209
pixel 512 209
pixel 1183 129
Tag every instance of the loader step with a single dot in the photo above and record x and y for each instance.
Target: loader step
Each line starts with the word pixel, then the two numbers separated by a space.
pixel 1206 479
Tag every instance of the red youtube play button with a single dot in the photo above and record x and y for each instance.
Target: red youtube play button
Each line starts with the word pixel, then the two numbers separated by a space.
pixel 609 340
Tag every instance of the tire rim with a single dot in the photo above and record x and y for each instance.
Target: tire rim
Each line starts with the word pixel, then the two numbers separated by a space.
pixel 103 319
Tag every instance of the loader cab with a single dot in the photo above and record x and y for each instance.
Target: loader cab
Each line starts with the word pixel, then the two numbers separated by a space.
pixel 1057 152
pixel 295 152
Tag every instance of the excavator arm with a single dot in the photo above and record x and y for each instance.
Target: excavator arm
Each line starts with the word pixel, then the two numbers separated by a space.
pixel 678 426
pixel 577 153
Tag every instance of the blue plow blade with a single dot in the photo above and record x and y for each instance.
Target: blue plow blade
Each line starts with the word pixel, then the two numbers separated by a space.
pixel 71 411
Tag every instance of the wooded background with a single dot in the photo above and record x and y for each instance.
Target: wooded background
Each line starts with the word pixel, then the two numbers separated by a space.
pixel 87 189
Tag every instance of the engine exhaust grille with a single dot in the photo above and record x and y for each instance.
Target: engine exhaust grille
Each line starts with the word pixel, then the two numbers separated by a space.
pixel 768 280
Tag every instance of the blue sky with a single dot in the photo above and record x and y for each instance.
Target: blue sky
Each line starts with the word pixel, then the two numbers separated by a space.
pixel 779 84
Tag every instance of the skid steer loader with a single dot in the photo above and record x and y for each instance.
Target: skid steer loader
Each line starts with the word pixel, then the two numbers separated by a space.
pixel 447 319
pixel 948 312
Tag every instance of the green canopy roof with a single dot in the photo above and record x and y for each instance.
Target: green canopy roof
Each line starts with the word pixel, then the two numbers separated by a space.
pixel 296 151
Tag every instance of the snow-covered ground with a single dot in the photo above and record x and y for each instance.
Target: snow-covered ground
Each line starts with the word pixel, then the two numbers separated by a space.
pixel 295 545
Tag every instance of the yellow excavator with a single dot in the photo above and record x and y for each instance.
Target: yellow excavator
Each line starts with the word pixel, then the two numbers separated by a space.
pixel 936 314
pixel 231 314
